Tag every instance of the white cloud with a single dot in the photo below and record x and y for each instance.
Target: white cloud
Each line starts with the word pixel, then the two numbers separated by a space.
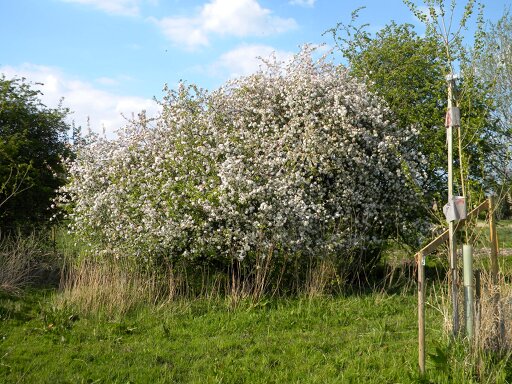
pixel 117 7
pixel 108 81
pixel 245 60
pixel 104 109
pixel 242 18
pixel 183 31
pixel 303 3
pixel 224 18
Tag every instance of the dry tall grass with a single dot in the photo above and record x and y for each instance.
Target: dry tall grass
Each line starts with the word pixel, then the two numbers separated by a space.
pixel 322 278
pixel 484 357
pixel 492 313
pixel 19 258
pixel 493 329
pixel 112 289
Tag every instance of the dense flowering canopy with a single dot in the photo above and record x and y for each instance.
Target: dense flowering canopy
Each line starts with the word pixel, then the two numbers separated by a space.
pixel 297 158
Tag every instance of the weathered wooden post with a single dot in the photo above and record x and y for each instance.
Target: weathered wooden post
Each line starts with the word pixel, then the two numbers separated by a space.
pixel 420 256
pixel 494 241
pixel 478 305
pixel 493 234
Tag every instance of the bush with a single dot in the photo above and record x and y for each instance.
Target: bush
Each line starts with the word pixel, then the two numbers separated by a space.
pixel 296 159
pixel 33 138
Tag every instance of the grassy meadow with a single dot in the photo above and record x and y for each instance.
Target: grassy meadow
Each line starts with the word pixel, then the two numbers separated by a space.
pixel 110 328
pixel 361 338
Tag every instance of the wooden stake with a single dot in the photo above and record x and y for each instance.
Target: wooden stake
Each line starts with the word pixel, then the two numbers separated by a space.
pixel 478 307
pixel 421 311
pixel 494 241
pixel 493 234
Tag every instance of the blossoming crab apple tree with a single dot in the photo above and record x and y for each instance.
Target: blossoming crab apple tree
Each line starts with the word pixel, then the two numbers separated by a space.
pixel 294 159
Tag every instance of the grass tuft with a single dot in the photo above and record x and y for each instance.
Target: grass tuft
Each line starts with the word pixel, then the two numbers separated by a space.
pixel 24 259
pixel 111 289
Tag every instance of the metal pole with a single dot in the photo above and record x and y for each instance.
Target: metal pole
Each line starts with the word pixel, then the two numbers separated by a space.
pixel 452 238
pixel 467 254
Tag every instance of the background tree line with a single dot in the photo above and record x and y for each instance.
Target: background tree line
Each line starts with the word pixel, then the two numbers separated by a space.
pixel 408 71
pixel 33 140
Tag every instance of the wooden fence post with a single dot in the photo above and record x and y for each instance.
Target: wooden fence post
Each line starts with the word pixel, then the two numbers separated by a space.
pixel 421 311
pixel 493 234
pixel 494 241
pixel 478 307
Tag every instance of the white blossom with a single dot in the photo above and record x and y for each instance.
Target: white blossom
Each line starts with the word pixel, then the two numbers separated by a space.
pixel 296 157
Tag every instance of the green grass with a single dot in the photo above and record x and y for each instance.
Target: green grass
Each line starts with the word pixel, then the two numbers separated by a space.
pixel 357 339
pixel 360 338
pixel 481 244
pixel 504 228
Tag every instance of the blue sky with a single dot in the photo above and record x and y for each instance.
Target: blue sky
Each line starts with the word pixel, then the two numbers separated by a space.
pixel 111 57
